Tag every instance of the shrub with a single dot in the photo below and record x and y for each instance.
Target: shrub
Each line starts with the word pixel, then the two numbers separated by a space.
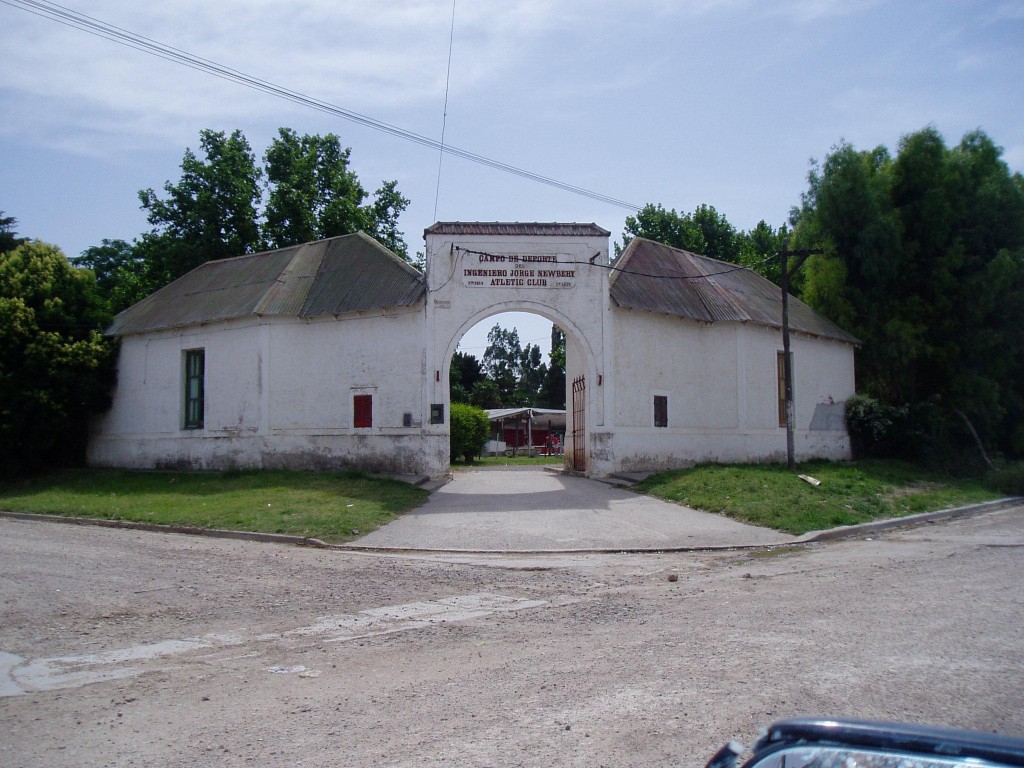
pixel 874 427
pixel 469 428
pixel 1008 480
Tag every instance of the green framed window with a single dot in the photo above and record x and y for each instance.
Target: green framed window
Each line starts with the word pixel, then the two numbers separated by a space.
pixel 195 372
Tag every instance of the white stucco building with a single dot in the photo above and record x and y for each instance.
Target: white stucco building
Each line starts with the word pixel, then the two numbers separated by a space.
pixel 336 353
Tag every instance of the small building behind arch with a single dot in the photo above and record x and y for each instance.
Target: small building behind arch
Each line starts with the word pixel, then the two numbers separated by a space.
pixel 336 354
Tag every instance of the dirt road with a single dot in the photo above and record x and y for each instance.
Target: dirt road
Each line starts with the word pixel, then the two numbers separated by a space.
pixel 140 649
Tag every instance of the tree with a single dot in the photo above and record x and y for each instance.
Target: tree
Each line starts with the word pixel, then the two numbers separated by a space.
pixel 214 210
pixel 552 390
pixel 211 213
pixel 759 250
pixel 8 239
pixel 720 237
pixel 655 223
pixel 468 432
pixel 485 394
pixel 464 372
pixel 56 369
pixel 121 272
pixel 532 372
pixel 312 194
pixel 705 231
pixel 503 362
pixel 924 261
pixel 388 205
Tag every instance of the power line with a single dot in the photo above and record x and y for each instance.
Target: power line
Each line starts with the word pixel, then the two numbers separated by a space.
pixel 102 29
pixel 613 268
pixel 444 117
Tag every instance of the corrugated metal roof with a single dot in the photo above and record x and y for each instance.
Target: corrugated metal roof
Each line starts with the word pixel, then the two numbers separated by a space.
pixel 707 290
pixel 516 229
pixel 342 274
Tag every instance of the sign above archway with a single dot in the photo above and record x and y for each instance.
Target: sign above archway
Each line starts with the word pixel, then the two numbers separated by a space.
pixel 510 270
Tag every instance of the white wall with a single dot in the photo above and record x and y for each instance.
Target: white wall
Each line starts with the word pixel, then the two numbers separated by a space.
pixel 720 380
pixel 278 393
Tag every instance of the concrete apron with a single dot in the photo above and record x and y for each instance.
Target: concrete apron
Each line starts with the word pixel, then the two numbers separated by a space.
pixel 530 510
pixel 525 511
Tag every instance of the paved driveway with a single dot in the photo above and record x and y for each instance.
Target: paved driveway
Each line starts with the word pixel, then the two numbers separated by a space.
pixel 536 510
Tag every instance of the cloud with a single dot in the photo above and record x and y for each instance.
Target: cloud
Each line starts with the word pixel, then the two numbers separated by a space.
pixel 806 11
pixel 389 58
pixel 1006 11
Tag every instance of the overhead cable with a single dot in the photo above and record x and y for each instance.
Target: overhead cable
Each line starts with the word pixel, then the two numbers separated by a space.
pixel 125 37
pixel 612 268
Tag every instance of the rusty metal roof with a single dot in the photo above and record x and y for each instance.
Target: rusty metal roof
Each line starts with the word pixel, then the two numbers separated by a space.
pixel 342 274
pixel 516 229
pixel 657 278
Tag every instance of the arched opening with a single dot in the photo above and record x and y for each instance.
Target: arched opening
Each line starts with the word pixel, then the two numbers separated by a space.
pixel 501 360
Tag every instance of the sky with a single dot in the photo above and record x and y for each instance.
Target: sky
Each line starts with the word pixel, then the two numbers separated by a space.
pixel 674 102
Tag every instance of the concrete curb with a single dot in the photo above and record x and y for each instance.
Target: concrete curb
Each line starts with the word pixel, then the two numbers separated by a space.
pixel 814 537
pixel 216 533
pixel 853 531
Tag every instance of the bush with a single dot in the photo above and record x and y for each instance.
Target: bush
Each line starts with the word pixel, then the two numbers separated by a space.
pixel 1008 480
pixel 874 427
pixel 924 433
pixel 469 429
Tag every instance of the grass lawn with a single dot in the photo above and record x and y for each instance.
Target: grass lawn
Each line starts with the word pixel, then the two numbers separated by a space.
pixel 331 506
pixel 774 497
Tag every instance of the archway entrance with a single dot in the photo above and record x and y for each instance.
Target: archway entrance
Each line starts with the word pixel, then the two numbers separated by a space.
pixel 477 270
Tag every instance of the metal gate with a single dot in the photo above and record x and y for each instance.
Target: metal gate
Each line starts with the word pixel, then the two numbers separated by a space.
pixel 579 424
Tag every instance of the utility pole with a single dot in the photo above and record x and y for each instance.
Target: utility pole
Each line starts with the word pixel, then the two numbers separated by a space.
pixel 787 359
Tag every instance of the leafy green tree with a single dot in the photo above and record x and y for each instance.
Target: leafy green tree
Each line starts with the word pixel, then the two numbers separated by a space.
pixel 469 428
pixel 705 231
pixel 759 250
pixel 532 372
pixel 464 373
pixel 56 369
pixel 457 393
pixel 388 205
pixel 502 362
pixel 669 227
pixel 924 261
pixel 312 194
pixel 8 239
pixel 552 390
pixel 211 213
pixel 122 277
pixel 518 373
pixel 214 210
pixel 720 238
pixel 485 394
